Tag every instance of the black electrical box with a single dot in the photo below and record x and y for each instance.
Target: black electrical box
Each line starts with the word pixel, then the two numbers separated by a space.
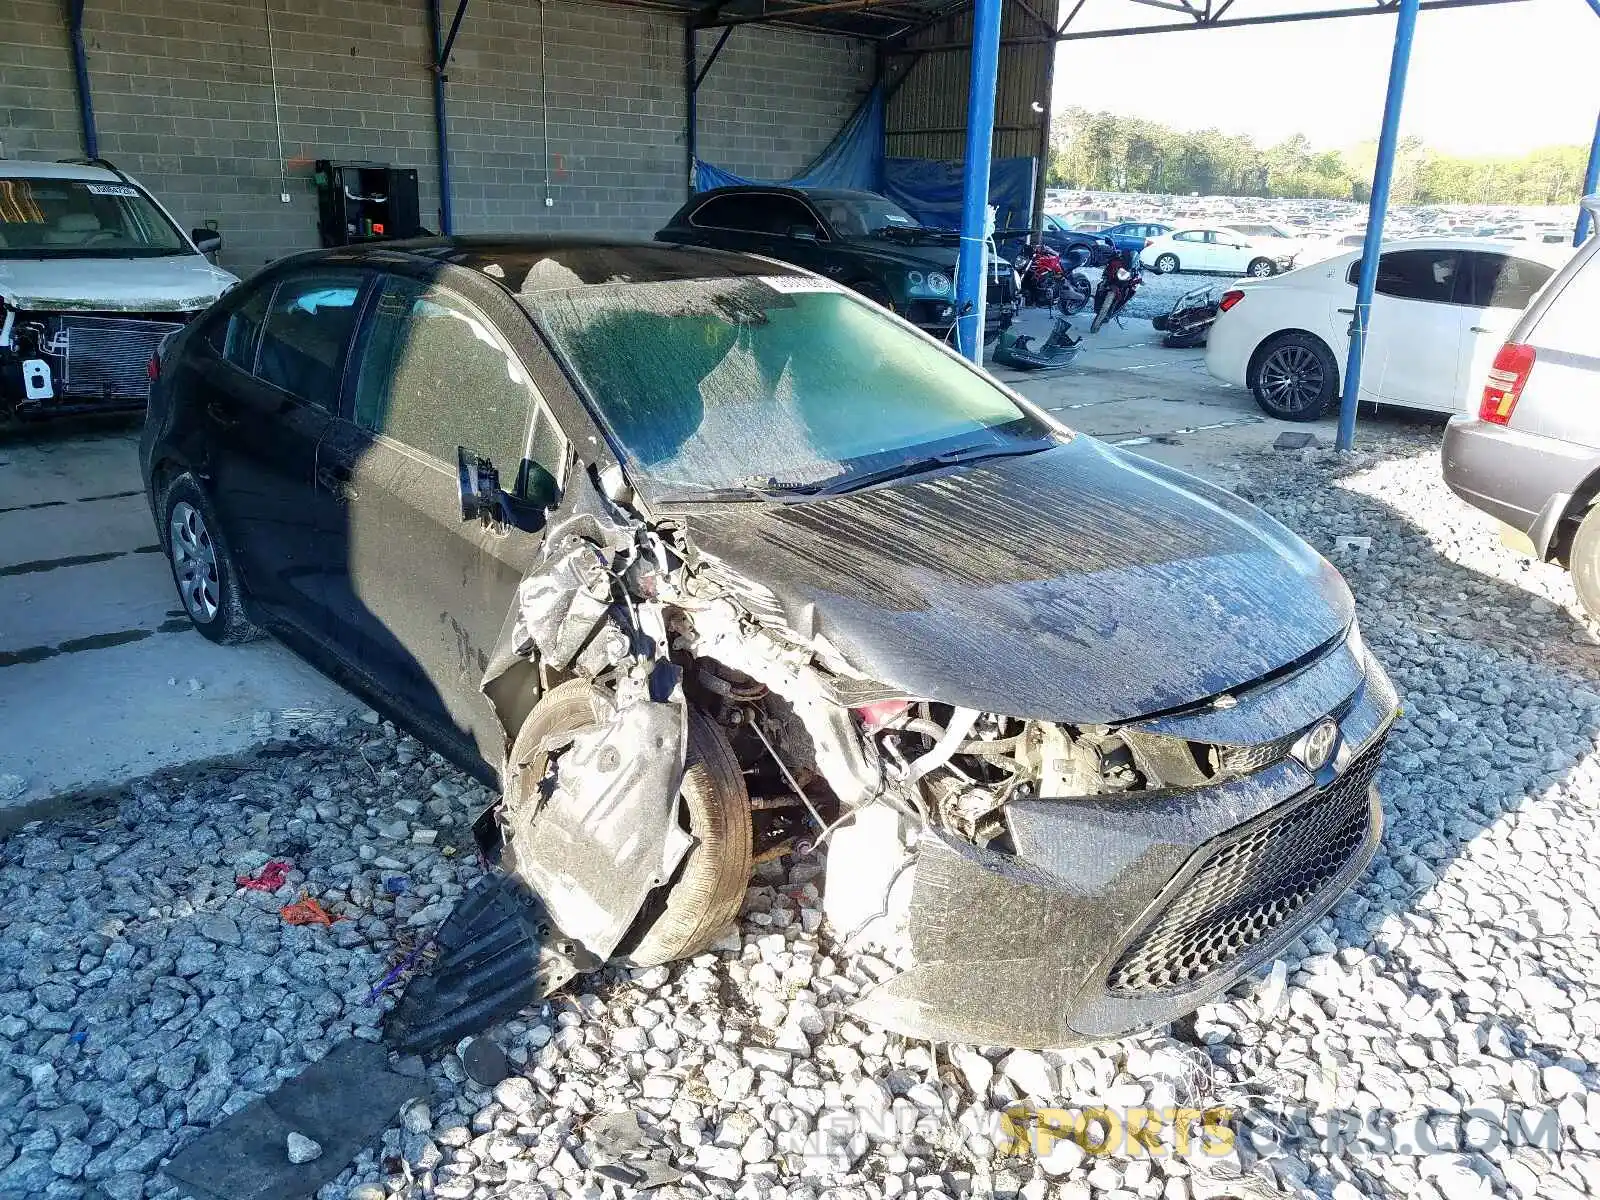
pixel 365 202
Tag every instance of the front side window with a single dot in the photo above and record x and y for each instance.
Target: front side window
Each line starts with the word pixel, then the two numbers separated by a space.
pixel 725 383
pixel 233 334
pixel 437 376
pixel 74 218
pixel 306 332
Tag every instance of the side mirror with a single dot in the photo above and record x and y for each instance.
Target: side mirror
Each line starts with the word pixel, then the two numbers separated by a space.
pixel 802 233
pixel 207 241
pixel 481 496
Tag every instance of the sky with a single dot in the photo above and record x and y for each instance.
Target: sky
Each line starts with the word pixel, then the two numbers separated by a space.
pixel 1500 79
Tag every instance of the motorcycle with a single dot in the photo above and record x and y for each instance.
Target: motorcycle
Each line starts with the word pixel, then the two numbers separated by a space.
pixel 1189 323
pixel 1118 282
pixel 1050 280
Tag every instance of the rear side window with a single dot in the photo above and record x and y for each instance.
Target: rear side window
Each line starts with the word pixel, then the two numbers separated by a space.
pixel 1428 275
pixel 727 212
pixel 306 332
pixel 436 375
pixel 1572 322
pixel 1504 281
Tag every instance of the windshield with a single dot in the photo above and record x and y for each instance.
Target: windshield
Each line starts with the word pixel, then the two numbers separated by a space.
pixel 780 382
pixel 857 216
pixel 75 218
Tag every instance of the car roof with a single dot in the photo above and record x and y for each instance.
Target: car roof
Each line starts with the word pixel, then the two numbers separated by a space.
pixel 27 168
pixel 1551 256
pixel 529 264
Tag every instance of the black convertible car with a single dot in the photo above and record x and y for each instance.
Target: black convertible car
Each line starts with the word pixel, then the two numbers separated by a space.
pixel 690 551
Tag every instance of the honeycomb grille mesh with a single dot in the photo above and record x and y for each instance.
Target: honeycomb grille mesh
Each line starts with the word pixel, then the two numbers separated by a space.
pixel 110 356
pixel 1250 886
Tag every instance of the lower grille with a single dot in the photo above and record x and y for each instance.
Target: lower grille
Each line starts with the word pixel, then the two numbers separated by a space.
pixel 1249 886
pixel 108 357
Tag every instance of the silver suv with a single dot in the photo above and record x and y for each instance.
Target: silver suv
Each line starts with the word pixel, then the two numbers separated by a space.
pixel 1531 455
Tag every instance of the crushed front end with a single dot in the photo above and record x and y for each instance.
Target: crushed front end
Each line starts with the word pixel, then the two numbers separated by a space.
pixel 1064 914
pixel 57 363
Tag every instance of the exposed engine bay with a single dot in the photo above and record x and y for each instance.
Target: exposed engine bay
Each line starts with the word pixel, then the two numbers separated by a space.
pixel 62 362
pixel 1069 838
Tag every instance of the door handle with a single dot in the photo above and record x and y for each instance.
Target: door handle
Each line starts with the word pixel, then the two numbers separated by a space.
pixel 1349 312
pixel 337 481
pixel 1481 329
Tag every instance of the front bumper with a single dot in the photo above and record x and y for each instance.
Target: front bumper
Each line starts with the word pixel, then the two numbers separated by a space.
pixel 1116 914
pixel 1521 479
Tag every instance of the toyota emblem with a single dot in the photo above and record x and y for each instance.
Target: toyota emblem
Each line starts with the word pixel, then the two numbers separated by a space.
pixel 1318 745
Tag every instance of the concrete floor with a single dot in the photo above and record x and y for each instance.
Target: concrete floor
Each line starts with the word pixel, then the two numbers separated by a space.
pixel 102 679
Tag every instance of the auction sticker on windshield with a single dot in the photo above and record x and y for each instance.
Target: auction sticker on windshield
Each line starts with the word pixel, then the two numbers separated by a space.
pixel 791 285
pixel 111 189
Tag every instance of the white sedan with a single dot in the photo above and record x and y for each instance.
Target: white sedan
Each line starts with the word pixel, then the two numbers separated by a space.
pixel 1442 309
pixel 1215 248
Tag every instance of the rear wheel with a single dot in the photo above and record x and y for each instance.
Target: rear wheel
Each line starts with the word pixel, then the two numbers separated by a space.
pixel 1167 264
pixel 1294 377
pixel 1262 268
pixel 682 917
pixel 202 566
pixel 1585 562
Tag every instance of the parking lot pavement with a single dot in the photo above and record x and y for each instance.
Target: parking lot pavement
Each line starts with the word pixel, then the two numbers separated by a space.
pixel 1128 389
pixel 101 677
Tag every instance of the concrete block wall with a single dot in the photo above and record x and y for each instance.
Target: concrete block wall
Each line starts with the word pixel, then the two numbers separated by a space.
pixel 185 100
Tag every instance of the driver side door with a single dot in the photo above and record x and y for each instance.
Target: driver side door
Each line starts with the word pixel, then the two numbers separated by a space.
pixel 428 591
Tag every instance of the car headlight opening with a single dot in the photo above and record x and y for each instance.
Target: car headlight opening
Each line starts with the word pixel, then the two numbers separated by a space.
pixel 938 283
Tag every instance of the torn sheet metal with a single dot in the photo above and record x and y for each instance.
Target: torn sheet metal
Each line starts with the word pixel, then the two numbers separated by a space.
pixel 560 606
pixel 342 1102
pixel 608 833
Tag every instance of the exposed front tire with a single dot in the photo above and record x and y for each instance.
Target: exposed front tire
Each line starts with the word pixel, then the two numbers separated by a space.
pixel 682 917
pixel 202 566
pixel 875 292
pixel 1294 377
pixel 1103 312
pixel 1584 560
pixel 1166 264
pixel 1261 268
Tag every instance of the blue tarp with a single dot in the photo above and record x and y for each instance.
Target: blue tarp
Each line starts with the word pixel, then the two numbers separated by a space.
pixel 854 159
pixel 931 191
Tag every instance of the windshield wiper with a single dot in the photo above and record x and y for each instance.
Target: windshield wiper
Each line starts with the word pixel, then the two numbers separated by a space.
pixel 852 480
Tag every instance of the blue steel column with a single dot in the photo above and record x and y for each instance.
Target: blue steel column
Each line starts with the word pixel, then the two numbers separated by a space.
pixel 1388 140
pixel 440 121
pixel 971 285
pixel 1591 185
pixel 80 71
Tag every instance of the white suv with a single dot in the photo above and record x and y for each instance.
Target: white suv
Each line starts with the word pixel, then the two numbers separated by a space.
pixel 93 274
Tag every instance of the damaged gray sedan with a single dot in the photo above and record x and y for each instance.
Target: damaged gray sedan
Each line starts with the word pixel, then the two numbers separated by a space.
pixel 698 556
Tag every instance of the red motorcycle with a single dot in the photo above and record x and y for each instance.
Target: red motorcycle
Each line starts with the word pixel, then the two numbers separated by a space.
pixel 1118 282
pixel 1049 281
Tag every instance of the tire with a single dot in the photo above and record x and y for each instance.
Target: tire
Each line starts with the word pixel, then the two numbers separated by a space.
pixel 1294 377
pixel 202 565
pixel 1073 300
pixel 1166 264
pixel 1261 268
pixel 704 895
pixel 1584 562
pixel 1103 313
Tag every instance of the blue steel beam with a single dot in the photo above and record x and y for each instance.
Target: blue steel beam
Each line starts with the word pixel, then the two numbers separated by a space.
pixel 971 283
pixel 1378 208
pixel 1591 177
pixel 80 72
pixel 443 44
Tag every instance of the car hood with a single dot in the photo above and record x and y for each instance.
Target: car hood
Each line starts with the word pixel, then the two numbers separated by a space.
pixel 937 249
pixel 175 283
pixel 1077 584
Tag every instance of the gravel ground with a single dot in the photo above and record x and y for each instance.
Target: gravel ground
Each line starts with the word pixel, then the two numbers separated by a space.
pixel 143 996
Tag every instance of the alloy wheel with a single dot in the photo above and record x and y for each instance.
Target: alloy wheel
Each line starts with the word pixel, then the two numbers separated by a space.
pixel 1292 378
pixel 1261 269
pixel 194 562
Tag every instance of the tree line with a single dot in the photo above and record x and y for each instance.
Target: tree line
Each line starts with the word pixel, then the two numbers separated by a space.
pixel 1100 151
